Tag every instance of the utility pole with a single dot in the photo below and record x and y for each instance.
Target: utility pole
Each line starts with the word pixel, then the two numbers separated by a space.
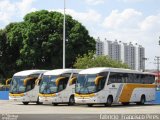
pixel 64 35
pixel 144 59
pixel 157 62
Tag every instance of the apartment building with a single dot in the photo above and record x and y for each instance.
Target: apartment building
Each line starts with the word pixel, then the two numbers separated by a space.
pixel 129 53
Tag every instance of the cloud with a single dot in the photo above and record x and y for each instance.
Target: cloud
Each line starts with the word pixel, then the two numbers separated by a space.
pixel 121 20
pixel 131 1
pixel 86 18
pixel 6 11
pixel 11 10
pixel 25 6
pixel 151 23
pixel 94 2
pixel 133 26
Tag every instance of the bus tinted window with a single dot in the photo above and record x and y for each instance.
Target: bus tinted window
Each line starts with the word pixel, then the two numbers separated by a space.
pixel 130 78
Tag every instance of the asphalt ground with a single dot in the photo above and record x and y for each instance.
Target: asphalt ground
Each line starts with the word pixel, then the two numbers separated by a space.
pixel 65 112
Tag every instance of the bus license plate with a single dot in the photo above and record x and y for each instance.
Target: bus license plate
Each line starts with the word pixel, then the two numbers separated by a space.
pixel 83 101
pixel 46 99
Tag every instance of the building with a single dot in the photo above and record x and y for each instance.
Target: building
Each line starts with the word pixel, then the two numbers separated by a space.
pixel 99 47
pixel 131 54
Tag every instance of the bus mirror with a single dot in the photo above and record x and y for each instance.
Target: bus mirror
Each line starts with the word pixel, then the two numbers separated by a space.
pixel 59 79
pixel 26 80
pixel 38 80
pixel 8 81
pixel 98 78
pixel 72 80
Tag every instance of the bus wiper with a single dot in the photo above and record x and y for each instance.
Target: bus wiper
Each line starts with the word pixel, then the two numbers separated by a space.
pixel 87 88
pixel 80 89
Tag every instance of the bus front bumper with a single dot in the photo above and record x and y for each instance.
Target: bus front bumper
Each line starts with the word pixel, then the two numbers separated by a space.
pixel 19 99
pixel 46 99
pixel 92 100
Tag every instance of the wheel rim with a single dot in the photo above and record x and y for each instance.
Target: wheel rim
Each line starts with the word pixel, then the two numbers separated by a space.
pixel 143 100
pixel 71 101
pixel 109 101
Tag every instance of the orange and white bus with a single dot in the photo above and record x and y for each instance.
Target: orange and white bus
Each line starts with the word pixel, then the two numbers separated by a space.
pixel 58 86
pixel 24 86
pixel 114 85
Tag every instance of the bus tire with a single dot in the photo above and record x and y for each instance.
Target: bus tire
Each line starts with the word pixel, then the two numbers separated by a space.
pixel 109 101
pixel 125 103
pixel 71 100
pixel 142 101
pixel 55 104
pixel 90 105
pixel 25 103
pixel 38 102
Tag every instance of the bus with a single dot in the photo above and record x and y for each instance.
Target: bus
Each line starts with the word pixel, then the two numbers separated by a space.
pixel 114 85
pixel 58 86
pixel 24 86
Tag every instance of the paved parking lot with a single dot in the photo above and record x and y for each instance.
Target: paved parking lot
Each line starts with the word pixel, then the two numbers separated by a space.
pixel 7 107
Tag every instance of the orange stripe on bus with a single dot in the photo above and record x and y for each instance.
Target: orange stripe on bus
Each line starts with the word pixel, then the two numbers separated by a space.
pixel 128 90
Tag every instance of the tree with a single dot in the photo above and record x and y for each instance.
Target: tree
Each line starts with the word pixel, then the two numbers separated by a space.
pixel 37 42
pixel 90 60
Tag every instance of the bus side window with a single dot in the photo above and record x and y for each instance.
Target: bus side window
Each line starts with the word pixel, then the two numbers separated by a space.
pixel 142 79
pixel 28 87
pixel 152 79
pixel 125 78
pixel 112 78
pixel 62 84
pixel 74 76
pixel 101 83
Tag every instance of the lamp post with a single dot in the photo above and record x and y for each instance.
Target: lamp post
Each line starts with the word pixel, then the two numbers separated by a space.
pixel 0 53
pixel 144 59
pixel 157 62
pixel 64 33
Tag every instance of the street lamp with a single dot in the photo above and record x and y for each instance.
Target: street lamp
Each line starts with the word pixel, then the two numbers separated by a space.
pixel 144 59
pixel 0 53
pixel 64 33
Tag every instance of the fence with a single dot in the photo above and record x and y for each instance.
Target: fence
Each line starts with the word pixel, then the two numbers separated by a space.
pixel 157 101
pixel 4 95
pixel 4 92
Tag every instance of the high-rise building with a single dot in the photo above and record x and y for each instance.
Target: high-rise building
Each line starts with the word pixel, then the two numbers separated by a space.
pixel 99 47
pixel 131 54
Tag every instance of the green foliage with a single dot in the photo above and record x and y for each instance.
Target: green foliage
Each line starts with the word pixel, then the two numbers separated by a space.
pixel 90 60
pixel 37 42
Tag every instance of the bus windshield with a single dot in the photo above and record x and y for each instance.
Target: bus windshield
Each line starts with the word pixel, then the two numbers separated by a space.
pixel 17 84
pixel 86 83
pixel 48 84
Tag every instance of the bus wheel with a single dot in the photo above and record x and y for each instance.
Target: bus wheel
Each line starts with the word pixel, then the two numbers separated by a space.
pixel 38 102
pixel 90 105
pixel 109 101
pixel 142 101
pixel 125 103
pixel 55 104
pixel 25 103
pixel 71 101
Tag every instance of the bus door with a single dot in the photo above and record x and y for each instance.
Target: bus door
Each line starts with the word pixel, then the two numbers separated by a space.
pixel 115 84
pixel 62 84
pixel 30 85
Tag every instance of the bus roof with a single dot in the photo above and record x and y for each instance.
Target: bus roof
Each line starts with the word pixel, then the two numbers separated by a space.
pixel 29 72
pixel 105 69
pixel 61 71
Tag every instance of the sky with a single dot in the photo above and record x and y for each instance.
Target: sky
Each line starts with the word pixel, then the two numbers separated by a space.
pixel 136 21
